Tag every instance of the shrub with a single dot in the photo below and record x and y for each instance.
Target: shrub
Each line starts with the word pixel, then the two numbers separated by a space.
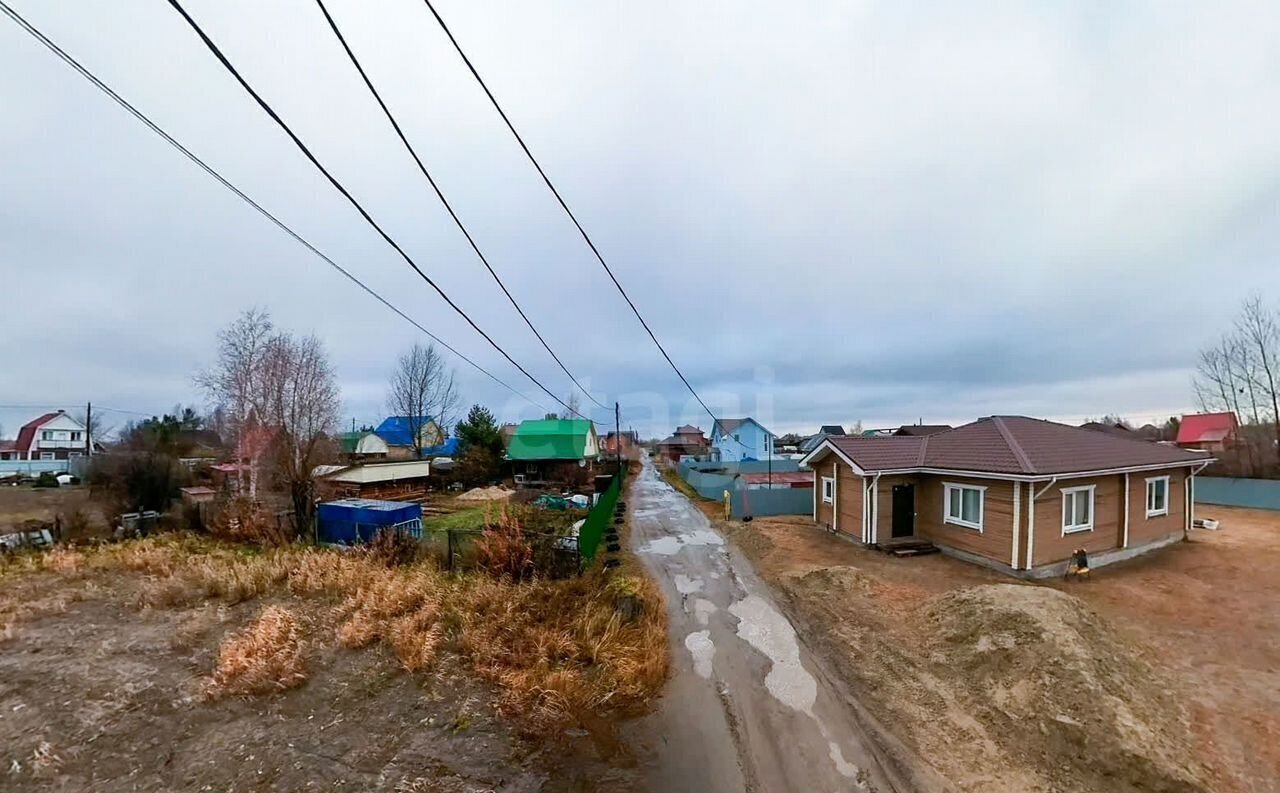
pixel 46 479
pixel 244 520
pixel 502 549
pixel 393 548
pixel 266 656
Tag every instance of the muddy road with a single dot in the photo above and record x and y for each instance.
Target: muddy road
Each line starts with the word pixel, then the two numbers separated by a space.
pixel 747 707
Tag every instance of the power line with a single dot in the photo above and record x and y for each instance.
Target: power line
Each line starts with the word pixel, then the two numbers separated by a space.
pixel 140 116
pixel 599 257
pixel 333 25
pixel 266 108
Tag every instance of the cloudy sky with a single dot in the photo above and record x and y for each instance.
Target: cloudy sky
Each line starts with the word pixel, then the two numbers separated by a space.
pixel 829 211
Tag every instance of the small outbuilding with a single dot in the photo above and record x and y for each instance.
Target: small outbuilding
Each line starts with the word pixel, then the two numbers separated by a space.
pixel 355 521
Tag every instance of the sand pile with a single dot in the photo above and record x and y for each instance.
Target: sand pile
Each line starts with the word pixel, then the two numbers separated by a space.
pixel 494 493
pixel 1001 688
pixel 1058 689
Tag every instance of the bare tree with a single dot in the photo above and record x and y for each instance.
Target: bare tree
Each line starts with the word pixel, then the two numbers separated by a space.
pixel 232 385
pixel 422 389
pixel 297 394
pixel 1259 332
pixel 574 409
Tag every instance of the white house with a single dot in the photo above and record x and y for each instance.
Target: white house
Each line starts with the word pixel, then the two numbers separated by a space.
pixel 741 439
pixel 53 436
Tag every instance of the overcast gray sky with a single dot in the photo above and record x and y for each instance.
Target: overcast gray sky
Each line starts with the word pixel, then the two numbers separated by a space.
pixel 829 211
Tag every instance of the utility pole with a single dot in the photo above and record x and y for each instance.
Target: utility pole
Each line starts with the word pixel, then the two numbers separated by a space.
pixel 88 428
pixel 617 437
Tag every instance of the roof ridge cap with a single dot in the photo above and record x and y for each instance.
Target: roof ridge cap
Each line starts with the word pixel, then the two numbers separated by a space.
pixel 1027 467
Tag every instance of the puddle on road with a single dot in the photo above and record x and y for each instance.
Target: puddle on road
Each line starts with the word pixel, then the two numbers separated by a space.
pixel 672 544
pixel 686 585
pixel 761 626
pixel 703 650
pixel 702 610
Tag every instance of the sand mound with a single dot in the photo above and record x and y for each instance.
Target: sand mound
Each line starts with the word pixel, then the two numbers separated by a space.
pixel 494 493
pixel 1063 692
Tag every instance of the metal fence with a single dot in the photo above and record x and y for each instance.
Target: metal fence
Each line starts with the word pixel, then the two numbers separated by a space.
pixel 554 555
pixel 598 519
pixel 779 501
pixel 1229 492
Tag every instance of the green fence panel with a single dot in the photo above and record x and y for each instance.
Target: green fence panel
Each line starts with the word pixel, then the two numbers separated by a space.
pixel 599 518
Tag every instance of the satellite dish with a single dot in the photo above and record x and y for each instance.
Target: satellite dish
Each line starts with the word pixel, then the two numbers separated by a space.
pixel 582 463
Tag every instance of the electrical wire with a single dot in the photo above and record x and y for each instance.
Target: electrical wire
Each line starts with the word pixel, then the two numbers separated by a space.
pixel 266 108
pixel 140 116
pixel 565 206
pixel 333 25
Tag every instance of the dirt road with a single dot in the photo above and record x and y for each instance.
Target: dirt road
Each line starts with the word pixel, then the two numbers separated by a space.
pixel 747 707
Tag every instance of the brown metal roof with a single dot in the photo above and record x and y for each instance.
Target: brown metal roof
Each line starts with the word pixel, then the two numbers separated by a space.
pixel 921 429
pixel 1014 445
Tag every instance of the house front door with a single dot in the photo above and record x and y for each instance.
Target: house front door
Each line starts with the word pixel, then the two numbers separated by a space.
pixel 904 511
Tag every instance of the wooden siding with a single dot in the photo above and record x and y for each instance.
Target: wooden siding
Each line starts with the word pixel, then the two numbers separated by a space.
pixel 1051 545
pixel 994 542
pixel 848 500
pixel 884 505
pixel 1143 529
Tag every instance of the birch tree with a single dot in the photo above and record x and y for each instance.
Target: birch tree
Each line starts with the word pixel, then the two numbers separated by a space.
pixel 298 396
pixel 231 384
pixel 1259 331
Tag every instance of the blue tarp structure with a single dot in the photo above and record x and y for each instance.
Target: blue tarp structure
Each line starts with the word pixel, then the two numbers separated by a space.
pixel 448 449
pixel 350 521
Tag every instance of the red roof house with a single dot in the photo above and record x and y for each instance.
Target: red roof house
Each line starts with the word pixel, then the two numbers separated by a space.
pixel 53 436
pixel 1208 431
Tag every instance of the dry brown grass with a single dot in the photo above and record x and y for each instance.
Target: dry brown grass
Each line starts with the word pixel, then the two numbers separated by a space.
pixel 266 656
pixel 555 649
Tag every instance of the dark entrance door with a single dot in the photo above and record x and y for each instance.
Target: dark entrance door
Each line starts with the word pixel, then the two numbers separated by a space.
pixel 904 510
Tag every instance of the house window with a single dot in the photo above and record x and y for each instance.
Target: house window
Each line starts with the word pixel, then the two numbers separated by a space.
pixel 828 490
pixel 75 436
pixel 46 455
pixel 1157 496
pixel 1077 509
pixel 46 435
pixel 963 505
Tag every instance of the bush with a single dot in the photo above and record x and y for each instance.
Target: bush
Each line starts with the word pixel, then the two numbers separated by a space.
pixel 137 481
pixel 502 549
pixel 244 520
pixel 393 548
pixel 46 479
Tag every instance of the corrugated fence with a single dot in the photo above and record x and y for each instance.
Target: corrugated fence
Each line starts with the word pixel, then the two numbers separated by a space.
pixel 599 517
pixel 711 479
pixel 1252 493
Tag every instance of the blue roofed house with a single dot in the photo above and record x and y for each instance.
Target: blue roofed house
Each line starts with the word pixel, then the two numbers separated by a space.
pixel 398 432
pixel 736 440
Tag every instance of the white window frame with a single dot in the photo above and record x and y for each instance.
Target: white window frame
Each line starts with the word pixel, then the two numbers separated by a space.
pixel 48 456
pixel 1076 528
pixel 46 435
pixel 1165 509
pixel 947 517
pixel 828 490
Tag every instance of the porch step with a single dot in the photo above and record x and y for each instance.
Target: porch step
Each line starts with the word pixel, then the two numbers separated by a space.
pixel 909 547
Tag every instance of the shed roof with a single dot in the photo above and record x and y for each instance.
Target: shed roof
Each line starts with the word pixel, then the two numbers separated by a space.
pixel 551 439
pixel 1206 427
pixel 1014 445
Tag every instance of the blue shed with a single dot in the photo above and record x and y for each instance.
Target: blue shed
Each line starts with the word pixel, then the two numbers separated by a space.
pixel 350 521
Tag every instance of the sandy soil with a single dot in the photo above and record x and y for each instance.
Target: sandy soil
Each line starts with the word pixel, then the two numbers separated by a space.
pixel 100 693
pixel 1192 633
